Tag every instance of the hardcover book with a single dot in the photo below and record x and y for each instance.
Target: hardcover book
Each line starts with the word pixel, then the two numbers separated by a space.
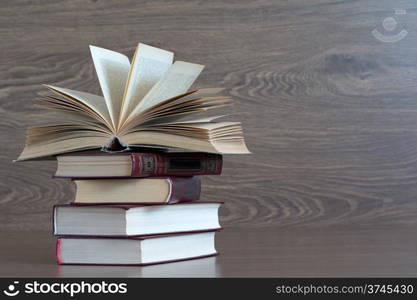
pixel 135 155
pixel 145 103
pixel 135 251
pixel 96 164
pixel 134 220
pixel 138 190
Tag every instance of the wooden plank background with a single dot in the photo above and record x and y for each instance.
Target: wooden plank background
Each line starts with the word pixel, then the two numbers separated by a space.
pixel 329 111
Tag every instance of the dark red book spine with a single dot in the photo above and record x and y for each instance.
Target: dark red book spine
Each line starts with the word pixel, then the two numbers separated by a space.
pixel 184 189
pixel 58 252
pixel 175 164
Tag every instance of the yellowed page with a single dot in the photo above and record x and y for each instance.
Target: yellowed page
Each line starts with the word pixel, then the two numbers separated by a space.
pixel 179 78
pixel 151 190
pixel 232 145
pixel 201 93
pixel 168 140
pixel 212 126
pixel 62 146
pixel 174 120
pixel 112 70
pixel 96 103
pixel 149 64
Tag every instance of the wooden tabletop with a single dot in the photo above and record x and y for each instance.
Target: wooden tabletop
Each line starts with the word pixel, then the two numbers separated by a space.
pixel 244 252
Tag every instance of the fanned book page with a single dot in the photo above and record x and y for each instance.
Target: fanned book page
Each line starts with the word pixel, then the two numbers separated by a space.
pixel 144 104
pixel 148 66
pixel 112 71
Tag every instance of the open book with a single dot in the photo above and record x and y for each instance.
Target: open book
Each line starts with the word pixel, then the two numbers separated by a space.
pixel 146 103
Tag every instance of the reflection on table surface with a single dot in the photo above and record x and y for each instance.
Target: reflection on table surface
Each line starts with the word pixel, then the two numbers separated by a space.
pixel 350 251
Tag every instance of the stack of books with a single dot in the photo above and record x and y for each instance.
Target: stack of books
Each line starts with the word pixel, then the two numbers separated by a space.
pixel 136 208
pixel 135 200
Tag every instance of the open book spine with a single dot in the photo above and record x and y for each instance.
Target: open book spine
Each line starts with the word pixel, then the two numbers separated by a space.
pixel 153 164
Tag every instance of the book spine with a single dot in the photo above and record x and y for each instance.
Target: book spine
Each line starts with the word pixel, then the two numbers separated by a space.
pixel 183 164
pixel 58 252
pixel 54 219
pixel 184 189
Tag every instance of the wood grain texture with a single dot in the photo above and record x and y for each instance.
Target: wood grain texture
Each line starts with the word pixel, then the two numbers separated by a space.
pixel 329 111
pixel 347 251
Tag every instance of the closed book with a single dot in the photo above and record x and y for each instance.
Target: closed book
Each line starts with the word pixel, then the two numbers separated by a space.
pixel 95 164
pixel 138 190
pixel 134 220
pixel 135 251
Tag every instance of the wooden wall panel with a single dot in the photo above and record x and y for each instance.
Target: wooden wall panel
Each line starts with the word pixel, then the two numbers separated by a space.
pixel 329 111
